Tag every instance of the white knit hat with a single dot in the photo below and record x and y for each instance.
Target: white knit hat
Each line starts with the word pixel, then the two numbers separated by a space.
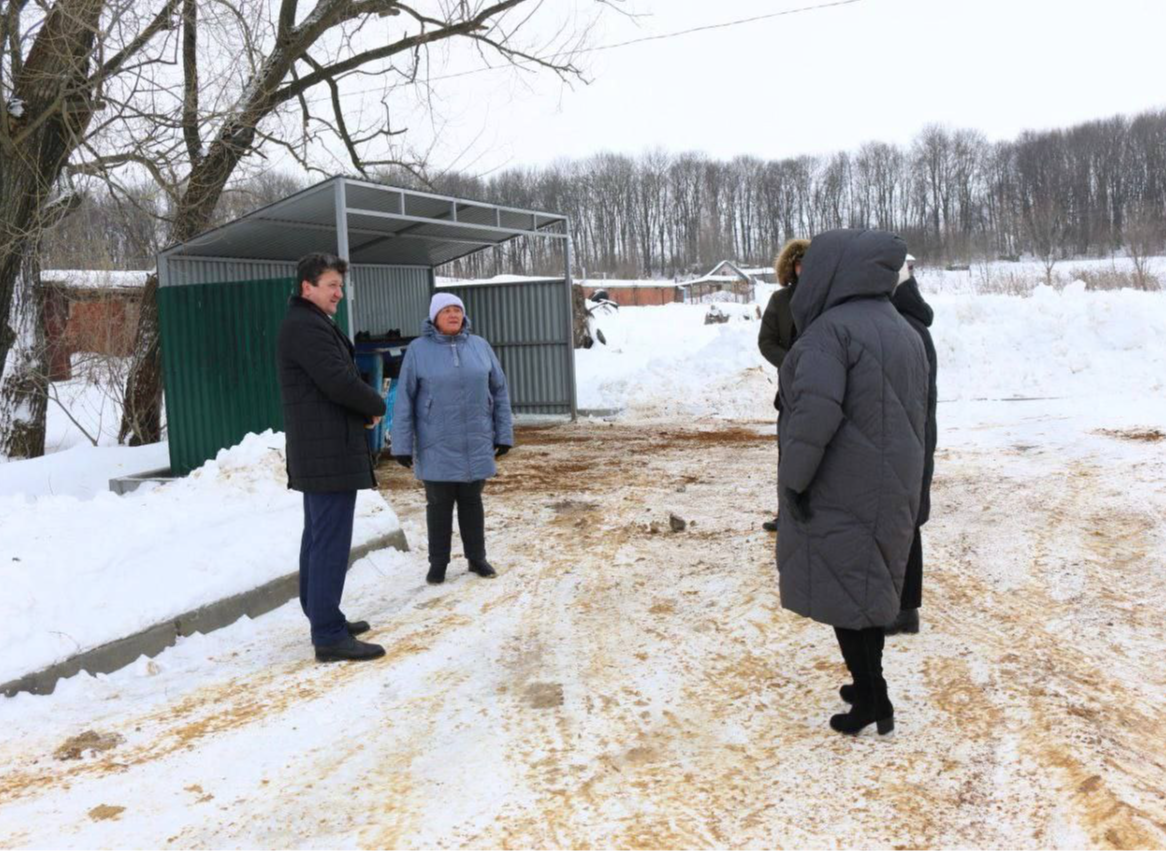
pixel 441 301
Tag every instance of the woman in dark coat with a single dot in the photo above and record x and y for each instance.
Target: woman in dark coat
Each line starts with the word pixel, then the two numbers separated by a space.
pixel 909 302
pixel 777 333
pixel 854 409
pixel 452 415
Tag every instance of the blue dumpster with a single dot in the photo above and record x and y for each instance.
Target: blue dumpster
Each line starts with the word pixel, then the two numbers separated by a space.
pixel 379 363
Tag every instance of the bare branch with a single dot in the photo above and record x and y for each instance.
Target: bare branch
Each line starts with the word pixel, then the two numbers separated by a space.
pixel 445 30
pixel 190 80
pixel 162 22
pixel 101 166
pixel 287 17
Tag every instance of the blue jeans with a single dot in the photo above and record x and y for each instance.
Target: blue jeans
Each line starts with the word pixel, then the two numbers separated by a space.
pixel 324 551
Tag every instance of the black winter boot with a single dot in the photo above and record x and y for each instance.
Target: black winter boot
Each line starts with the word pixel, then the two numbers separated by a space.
pixel 483 569
pixel 906 621
pixel 872 706
pixel 863 651
pixel 436 574
pixel 349 650
pixel 770 525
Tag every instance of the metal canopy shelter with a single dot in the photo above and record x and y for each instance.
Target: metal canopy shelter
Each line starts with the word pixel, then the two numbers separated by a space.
pixel 223 293
pixel 379 225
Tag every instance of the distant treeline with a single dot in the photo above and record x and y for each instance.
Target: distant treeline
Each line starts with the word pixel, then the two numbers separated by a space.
pixel 1094 189
pixel 1090 190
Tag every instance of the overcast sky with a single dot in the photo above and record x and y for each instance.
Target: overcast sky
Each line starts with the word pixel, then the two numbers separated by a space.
pixel 811 82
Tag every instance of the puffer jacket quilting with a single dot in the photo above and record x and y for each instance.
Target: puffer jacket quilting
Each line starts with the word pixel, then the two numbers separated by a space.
pixel 854 400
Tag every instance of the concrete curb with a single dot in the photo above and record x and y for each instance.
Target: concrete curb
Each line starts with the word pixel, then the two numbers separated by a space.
pixel 152 640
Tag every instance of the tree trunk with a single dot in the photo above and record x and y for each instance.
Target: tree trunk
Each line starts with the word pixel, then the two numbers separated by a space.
pixel 53 91
pixel 141 421
pixel 24 383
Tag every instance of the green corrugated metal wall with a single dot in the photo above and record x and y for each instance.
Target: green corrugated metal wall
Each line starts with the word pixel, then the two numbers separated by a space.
pixel 218 358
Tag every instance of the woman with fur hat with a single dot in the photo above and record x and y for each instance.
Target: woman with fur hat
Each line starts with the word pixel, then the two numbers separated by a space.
pixel 451 419
pixel 777 333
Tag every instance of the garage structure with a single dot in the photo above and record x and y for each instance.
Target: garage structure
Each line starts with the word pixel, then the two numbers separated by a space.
pixel 223 294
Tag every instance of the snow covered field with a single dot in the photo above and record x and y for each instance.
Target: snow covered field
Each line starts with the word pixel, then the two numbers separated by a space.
pixel 664 361
pixel 83 567
pixel 619 684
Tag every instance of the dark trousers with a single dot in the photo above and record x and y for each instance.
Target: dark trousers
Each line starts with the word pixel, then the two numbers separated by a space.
pixel 778 453
pixel 912 596
pixel 324 551
pixel 862 649
pixel 440 498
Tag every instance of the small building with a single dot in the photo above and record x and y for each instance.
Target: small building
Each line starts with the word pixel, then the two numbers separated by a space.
pixel 727 281
pixel 91 312
pixel 627 293
pixel 222 296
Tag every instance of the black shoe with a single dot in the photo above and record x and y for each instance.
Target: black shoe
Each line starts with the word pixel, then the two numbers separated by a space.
pixel 349 650
pixel 906 621
pixel 873 708
pixel 357 627
pixel 483 569
pixel 848 692
pixel 436 574
pixel 770 525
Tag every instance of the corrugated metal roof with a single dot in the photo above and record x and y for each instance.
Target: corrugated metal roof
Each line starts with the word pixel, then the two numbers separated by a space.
pixel 387 225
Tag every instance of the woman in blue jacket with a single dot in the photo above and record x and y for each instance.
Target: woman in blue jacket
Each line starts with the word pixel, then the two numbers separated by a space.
pixel 451 419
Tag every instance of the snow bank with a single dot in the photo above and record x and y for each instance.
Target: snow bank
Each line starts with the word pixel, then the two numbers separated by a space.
pixel 1021 276
pixel 663 361
pixel 1070 343
pixel 95 278
pixel 82 471
pixel 78 574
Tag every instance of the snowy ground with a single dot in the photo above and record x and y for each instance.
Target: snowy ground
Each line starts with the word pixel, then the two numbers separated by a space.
pixel 83 567
pixel 619 686
pixel 623 685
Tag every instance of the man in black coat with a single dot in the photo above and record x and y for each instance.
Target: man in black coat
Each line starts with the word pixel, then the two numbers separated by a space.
pixel 326 409
pixel 918 313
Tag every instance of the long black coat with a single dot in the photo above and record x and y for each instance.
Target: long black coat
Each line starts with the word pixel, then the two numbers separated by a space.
pixel 777 333
pixel 326 404
pixel 854 410
pixel 909 302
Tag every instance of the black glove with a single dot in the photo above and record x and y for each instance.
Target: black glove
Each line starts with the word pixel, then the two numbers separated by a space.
pixel 500 449
pixel 404 460
pixel 799 505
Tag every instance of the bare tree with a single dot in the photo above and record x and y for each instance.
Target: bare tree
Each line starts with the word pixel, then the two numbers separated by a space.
pixel 57 63
pixel 246 105
pixel 1143 239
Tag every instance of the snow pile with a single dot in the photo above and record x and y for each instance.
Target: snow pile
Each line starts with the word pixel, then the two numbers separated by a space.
pixel 497 279
pixel 1070 343
pixel 95 278
pixel 664 361
pixel 79 574
pixel 82 471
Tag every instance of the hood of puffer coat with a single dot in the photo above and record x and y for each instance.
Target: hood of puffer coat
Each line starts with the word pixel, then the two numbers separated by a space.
pixel 846 264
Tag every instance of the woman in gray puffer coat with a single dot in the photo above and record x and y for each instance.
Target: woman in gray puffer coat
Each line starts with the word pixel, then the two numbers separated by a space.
pixel 451 419
pixel 854 408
